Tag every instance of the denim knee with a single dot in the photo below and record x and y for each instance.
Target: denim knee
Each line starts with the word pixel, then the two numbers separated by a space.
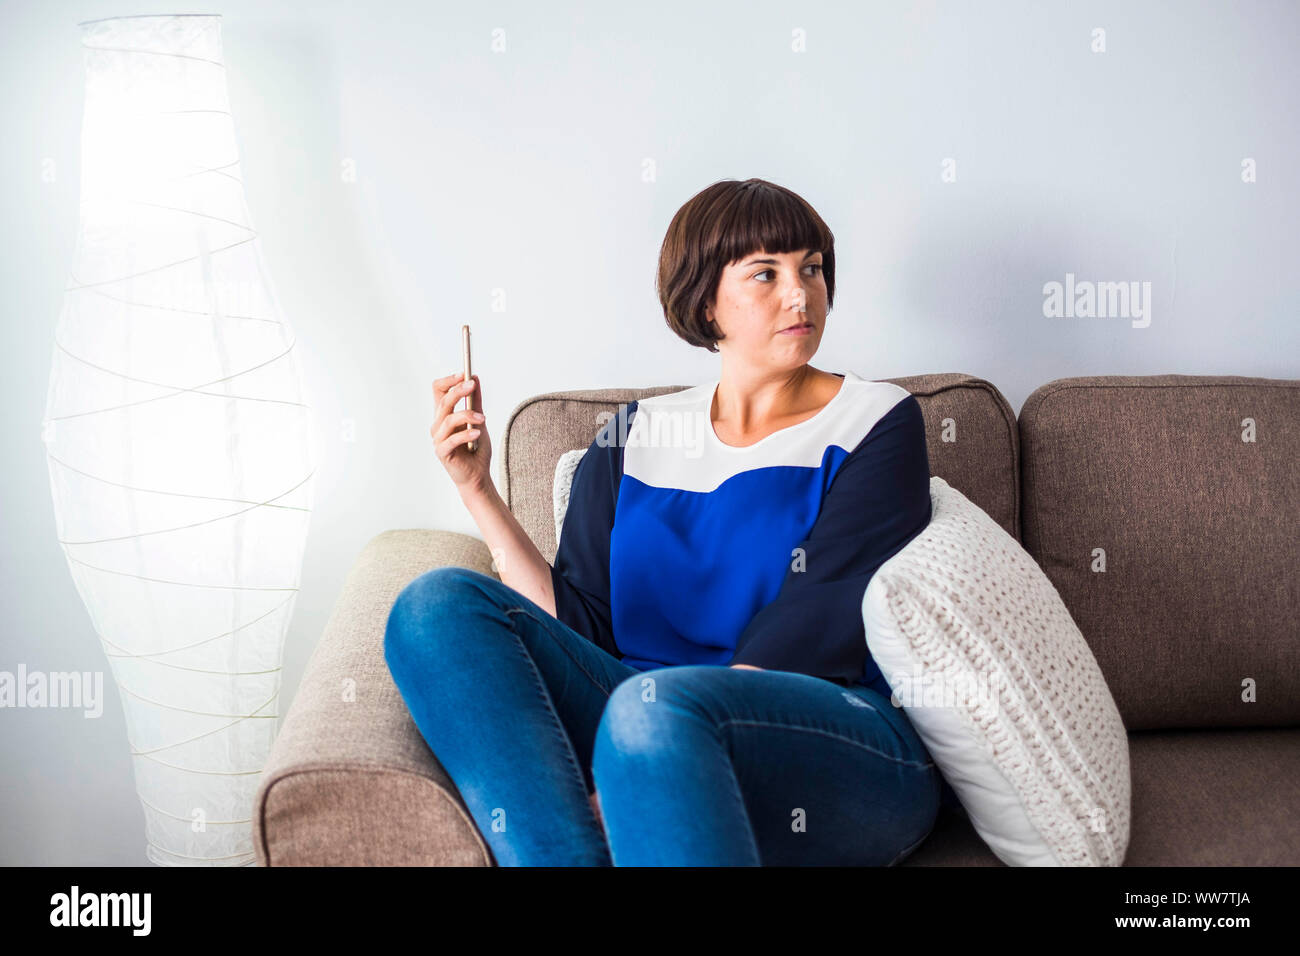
pixel 428 599
pixel 640 711
pixel 627 721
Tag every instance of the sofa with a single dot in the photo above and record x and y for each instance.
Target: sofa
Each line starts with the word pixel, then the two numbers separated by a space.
pixel 1164 509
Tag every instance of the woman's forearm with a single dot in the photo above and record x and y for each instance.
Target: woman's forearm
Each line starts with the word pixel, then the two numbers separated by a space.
pixel 516 559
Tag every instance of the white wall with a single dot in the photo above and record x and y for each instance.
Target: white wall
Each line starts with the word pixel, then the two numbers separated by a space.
pixel 524 171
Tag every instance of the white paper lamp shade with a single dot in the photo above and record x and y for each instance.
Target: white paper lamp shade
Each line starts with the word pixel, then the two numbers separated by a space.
pixel 178 434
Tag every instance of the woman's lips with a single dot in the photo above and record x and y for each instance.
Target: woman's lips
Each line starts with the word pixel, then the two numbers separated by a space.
pixel 804 329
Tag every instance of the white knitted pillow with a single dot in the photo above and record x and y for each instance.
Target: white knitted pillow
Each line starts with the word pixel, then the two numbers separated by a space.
pixel 1000 684
pixel 564 470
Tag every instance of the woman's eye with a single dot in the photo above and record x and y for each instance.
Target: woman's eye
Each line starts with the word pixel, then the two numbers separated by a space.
pixel 814 265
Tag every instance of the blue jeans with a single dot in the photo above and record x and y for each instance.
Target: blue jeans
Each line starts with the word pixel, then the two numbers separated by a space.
pixel 694 765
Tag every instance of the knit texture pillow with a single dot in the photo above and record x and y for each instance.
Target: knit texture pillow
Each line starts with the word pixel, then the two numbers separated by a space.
pixel 999 682
pixel 564 471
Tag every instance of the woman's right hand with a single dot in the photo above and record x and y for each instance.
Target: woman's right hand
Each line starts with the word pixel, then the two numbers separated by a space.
pixel 469 470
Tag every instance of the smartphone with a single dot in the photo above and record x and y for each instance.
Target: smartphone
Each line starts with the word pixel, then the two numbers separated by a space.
pixel 472 444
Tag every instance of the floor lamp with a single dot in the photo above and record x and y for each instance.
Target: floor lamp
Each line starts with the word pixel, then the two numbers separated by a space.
pixel 177 433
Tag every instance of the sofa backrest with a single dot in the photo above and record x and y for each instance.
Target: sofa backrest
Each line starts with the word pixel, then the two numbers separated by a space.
pixel 1165 509
pixel 539 431
pixel 969 425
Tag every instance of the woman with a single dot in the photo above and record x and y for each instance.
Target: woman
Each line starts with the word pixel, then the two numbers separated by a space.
pixel 695 671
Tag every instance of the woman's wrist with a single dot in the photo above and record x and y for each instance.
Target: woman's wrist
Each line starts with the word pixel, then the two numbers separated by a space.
pixel 474 494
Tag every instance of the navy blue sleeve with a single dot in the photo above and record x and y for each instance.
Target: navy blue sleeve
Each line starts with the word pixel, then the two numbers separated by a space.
pixel 580 572
pixel 878 501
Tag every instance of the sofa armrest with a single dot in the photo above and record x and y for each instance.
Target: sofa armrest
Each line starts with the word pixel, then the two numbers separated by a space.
pixel 350 780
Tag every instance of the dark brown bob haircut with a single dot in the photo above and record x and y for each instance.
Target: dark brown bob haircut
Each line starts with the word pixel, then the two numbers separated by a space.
pixel 721 225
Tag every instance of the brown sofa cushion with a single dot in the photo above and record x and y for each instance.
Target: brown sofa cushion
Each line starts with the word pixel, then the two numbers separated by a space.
pixel 1200 593
pixel 1199 799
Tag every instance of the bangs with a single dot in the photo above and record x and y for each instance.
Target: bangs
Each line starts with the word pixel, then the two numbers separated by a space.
pixel 768 220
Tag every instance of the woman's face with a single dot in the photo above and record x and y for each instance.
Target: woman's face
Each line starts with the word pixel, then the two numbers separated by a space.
pixel 765 293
